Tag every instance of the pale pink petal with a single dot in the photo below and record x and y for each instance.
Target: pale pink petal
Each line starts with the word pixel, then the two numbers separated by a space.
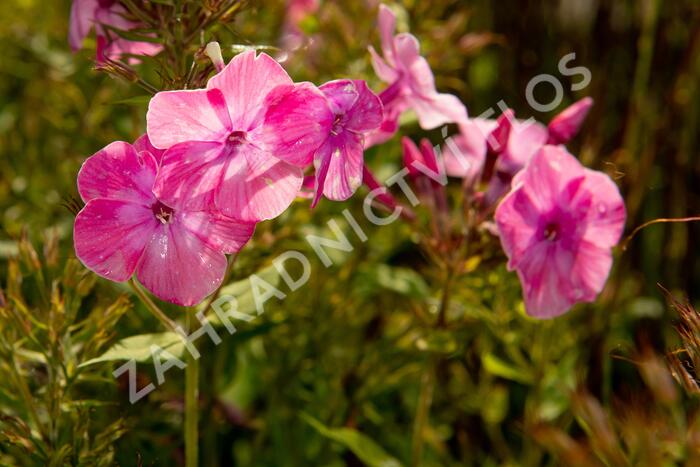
pixel 82 17
pixel 367 113
pixel 178 267
pixel 384 71
pixel 566 125
pixel 246 81
pixel 110 235
pixel 221 233
pixel 344 156
pixel 387 27
pixel 189 175
pixel 118 172
pixel 297 121
pixel 465 153
pixel 525 139
pixel 179 116
pixel 606 217
pixel 261 197
pixel 437 110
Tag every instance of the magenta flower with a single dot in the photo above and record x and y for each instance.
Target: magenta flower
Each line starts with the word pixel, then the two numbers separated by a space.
pixel 426 172
pixel 238 145
pixel 558 226
pixel 339 159
pixel 86 14
pixel 567 124
pixel 178 253
pixel 410 79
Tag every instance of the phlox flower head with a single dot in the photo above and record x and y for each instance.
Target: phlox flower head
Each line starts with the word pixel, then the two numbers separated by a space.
pixel 176 251
pixel 339 159
pixel 86 14
pixel 240 144
pixel 557 227
pixel 411 82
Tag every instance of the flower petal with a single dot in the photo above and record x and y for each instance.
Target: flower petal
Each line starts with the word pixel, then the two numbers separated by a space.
pixel 143 144
pixel 118 172
pixel 606 218
pixel 566 125
pixel 549 172
pixel 221 233
pixel 437 109
pixel 179 267
pixel 254 198
pixel 367 114
pixel 246 81
pixel 82 17
pixel 343 155
pixel 341 94
pixel 524 140
pixel 190 174
pixel 297 121
pixel 179 116
pixel 109 236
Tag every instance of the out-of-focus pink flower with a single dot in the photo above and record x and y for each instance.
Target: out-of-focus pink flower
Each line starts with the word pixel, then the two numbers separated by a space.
pixel 558 226
pixel 239 144
pixel 86 14
pixel 567 124
pixel 297 12
pixel 411 81
pixel 339 160
pixel 465 153
pixel 426 171
pixel 177 252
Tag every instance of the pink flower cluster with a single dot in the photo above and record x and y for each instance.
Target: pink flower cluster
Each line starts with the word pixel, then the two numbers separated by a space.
pixel 216 161
pixel 213 163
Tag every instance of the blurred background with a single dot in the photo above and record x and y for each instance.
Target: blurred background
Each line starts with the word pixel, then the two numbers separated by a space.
pixel 333 374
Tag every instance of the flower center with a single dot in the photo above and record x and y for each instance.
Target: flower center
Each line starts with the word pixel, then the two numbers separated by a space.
pixel 237 137
pixel 163 213
pixel 551 231
pixel 337 125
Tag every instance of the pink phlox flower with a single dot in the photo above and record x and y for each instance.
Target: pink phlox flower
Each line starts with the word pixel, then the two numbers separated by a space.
pixel 339 159
pixel 86 14
pixel 239 144
pixel 177 252
pixel 557 227
pixel 411 81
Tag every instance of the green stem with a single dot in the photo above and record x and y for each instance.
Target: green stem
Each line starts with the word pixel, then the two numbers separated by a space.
pixel 191 410
pixel 153 308
pixel 422 411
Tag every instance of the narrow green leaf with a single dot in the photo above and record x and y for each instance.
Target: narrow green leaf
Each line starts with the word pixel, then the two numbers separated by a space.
pixel 498 367
pixel 362 446
pixel 139 348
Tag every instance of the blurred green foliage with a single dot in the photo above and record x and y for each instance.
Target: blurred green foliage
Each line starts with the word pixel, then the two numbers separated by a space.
pixel 337 372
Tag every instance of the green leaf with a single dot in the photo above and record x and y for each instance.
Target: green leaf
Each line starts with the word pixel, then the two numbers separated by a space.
pixel 136 100
pixel 362 446
pixel 139 348
pixel 498 367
